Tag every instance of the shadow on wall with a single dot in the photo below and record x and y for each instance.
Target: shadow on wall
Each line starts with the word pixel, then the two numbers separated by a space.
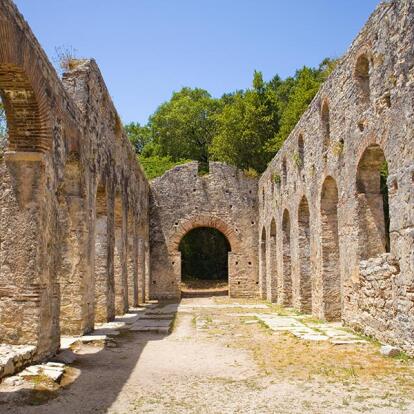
pixel 94 381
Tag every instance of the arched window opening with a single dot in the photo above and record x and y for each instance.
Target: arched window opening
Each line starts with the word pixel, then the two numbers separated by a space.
pixel 28 119
pixel 331 277
pixel 287 264
pixel 301 151
pixel 373 207
pixel 272 273
pixel 326 127
pixel 305 285
pixel 362 68
pixel 263 267
pixel 204 260
pixel 284 171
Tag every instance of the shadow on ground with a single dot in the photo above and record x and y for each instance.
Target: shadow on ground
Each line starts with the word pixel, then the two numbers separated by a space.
pixel 92 383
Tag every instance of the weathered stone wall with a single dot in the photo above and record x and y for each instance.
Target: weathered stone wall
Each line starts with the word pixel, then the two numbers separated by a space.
pixel 181 200
pixel 321 192
pixel 375 295
pixel 68 160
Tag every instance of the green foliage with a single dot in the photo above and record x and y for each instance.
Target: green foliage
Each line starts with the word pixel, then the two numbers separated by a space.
pixel 138 135
pixel 245 125
pixel 296 159
pixel 155 165
pixel 204 253
pixel 184 126
pixel 277 178
pixel 301 91
pixel 244 128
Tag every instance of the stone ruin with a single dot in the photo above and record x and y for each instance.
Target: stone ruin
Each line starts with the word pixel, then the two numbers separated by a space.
pixel 84 235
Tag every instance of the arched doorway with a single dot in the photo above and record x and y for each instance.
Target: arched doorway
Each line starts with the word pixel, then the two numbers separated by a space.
pixel 204 262
pixel 373 212
pixel 263 267
pixel 331 275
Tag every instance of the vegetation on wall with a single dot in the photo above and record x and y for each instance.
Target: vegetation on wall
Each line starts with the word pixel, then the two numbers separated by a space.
pixel 243 128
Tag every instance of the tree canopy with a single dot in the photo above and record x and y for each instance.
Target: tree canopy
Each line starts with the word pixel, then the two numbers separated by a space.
pixel 244 128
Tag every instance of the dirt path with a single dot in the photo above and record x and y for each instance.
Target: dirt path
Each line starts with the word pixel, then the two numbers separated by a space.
pixel 221 359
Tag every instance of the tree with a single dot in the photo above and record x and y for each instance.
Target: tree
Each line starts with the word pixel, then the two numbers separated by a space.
pixel 156 165
pixel 300 92
pixel 184 126
pixel 246 123
pixel 138 135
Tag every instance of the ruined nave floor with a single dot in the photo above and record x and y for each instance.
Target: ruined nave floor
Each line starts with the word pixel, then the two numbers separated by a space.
pixel 220 358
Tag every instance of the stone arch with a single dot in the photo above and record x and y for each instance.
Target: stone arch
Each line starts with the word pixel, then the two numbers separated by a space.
pixel 235 256
pixel 362 75
pixel 262 264
pixel 372 195
pixel 272 268
pixel 305 283
pixel 203 221
pixel 27 116
pixel 331 275
pixel 28 268
pixel 287 262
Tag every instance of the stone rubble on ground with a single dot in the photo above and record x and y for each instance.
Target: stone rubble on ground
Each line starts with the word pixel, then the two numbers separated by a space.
pixel 389 351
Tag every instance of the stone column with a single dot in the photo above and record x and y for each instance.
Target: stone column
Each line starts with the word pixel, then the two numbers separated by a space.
pixel 29 302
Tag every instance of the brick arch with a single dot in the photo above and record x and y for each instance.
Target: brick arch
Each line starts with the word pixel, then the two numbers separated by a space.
pixel 204 221
pixel 24 90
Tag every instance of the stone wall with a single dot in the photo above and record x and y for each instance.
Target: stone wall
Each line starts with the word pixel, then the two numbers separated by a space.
pixel 69 182
pixel 181 200
pixel 321 205
pixel 375 295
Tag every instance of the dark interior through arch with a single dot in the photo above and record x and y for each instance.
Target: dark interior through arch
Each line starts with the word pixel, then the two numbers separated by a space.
pixel 204 258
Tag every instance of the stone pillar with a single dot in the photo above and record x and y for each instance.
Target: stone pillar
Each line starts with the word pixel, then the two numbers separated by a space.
pixel 73 276
pixel 29 301
pixel 132 269
pixel 147 271
pixel 272 270
pixel 142 287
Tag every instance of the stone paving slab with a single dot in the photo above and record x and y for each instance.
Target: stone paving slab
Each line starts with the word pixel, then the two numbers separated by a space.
pixel 312 332
pixel 223 306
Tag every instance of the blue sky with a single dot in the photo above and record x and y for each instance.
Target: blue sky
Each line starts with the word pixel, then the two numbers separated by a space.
pixel 148 48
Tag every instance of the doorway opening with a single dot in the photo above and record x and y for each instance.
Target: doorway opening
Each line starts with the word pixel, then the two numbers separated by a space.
pixel 204 262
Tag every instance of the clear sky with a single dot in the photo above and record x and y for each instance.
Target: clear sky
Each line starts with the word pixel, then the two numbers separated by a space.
pixel 148 48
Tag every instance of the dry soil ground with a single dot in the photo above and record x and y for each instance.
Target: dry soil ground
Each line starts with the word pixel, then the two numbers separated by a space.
pixel 223 360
